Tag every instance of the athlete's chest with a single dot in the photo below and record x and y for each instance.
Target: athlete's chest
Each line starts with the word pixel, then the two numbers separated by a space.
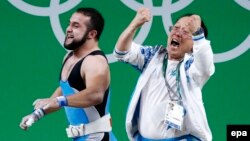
pixel 70 65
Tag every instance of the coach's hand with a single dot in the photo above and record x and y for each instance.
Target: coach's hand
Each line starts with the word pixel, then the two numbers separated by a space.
pixel 143 15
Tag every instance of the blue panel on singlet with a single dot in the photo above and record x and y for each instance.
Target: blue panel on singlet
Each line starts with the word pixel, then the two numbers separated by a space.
pixel 75 116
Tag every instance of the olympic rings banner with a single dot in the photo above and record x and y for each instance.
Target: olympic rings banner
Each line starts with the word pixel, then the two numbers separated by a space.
pixel 31 47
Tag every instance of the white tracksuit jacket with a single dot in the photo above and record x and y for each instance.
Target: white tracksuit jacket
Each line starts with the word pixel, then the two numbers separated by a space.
pixel 195 70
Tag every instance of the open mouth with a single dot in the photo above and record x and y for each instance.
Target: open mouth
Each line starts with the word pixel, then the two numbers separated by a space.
pixel 175 43
pixel 70 36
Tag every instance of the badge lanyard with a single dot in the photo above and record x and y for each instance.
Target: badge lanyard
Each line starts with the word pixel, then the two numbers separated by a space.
pixel 165 62
pixel 175 112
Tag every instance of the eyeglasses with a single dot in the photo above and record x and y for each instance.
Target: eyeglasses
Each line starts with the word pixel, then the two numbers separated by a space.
pixel 183 33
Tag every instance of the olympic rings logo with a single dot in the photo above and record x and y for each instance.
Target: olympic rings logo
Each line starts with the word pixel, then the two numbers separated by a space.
pixel 165 11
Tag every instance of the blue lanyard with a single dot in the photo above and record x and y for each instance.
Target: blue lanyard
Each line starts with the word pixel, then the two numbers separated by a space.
pixel 165 63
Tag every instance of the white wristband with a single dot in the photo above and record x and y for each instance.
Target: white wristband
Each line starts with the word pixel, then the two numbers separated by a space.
pixel 39 113
pixel 62 101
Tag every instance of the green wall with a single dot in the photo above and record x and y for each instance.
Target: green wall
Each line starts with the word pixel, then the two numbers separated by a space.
pixel 31 58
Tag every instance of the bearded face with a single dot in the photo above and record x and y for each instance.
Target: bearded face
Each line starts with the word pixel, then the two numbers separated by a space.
pixel 71 43
pixel 77 31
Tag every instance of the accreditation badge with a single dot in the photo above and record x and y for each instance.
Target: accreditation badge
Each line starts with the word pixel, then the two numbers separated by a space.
pixel 174 115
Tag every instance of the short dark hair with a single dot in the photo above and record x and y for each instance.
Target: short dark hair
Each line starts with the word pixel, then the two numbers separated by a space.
pixel 202 23
pixel 96 19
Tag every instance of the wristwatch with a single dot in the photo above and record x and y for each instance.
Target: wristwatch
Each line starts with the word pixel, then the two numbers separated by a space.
pixel 198 32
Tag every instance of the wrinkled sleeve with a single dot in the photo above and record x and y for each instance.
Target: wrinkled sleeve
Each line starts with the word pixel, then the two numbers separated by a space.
pixel 203 62
pixel 138 56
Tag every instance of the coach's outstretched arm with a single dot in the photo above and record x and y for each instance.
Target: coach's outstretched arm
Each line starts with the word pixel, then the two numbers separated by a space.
pixel 124 42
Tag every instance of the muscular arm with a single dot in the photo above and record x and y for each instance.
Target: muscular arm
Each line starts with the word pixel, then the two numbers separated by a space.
pixel 126 38
pixel 57 92
pixel 95 70
pixel 49 105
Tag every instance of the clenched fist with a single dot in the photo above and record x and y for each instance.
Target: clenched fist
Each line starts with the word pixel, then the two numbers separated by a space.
pixel 143 15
